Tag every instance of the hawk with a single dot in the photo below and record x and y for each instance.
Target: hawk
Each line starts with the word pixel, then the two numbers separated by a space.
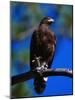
pixel 42 48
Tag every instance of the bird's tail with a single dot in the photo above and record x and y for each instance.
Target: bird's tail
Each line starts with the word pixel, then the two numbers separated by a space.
pixel 40 84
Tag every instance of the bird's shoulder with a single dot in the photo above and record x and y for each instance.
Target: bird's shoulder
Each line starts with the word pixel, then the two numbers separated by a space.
pixel 35 35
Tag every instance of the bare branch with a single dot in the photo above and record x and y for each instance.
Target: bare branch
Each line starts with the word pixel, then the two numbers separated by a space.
pixel 48 72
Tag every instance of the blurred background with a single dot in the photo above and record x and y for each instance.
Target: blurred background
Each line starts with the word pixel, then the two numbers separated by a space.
pixel 24 19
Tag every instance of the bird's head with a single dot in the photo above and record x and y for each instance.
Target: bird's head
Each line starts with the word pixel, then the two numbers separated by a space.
pixel 47 20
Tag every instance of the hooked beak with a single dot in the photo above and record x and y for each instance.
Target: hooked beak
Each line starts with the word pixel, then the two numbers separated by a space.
pixel 51 20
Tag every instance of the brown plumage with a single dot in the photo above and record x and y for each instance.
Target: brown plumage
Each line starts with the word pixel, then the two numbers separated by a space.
pixel 42 45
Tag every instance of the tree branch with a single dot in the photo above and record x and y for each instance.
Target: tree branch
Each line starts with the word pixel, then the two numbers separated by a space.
pixel 48 72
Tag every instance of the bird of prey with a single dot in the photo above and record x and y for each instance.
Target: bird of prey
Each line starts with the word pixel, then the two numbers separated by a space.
pixel 42 48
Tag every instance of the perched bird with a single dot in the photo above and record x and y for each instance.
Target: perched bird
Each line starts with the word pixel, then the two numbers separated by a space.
pixel 42 48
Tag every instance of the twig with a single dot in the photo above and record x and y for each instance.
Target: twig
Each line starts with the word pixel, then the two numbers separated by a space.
pixel 48 72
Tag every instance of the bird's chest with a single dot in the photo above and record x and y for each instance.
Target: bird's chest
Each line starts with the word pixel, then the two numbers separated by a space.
pixel 45 39
pixel 45 43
